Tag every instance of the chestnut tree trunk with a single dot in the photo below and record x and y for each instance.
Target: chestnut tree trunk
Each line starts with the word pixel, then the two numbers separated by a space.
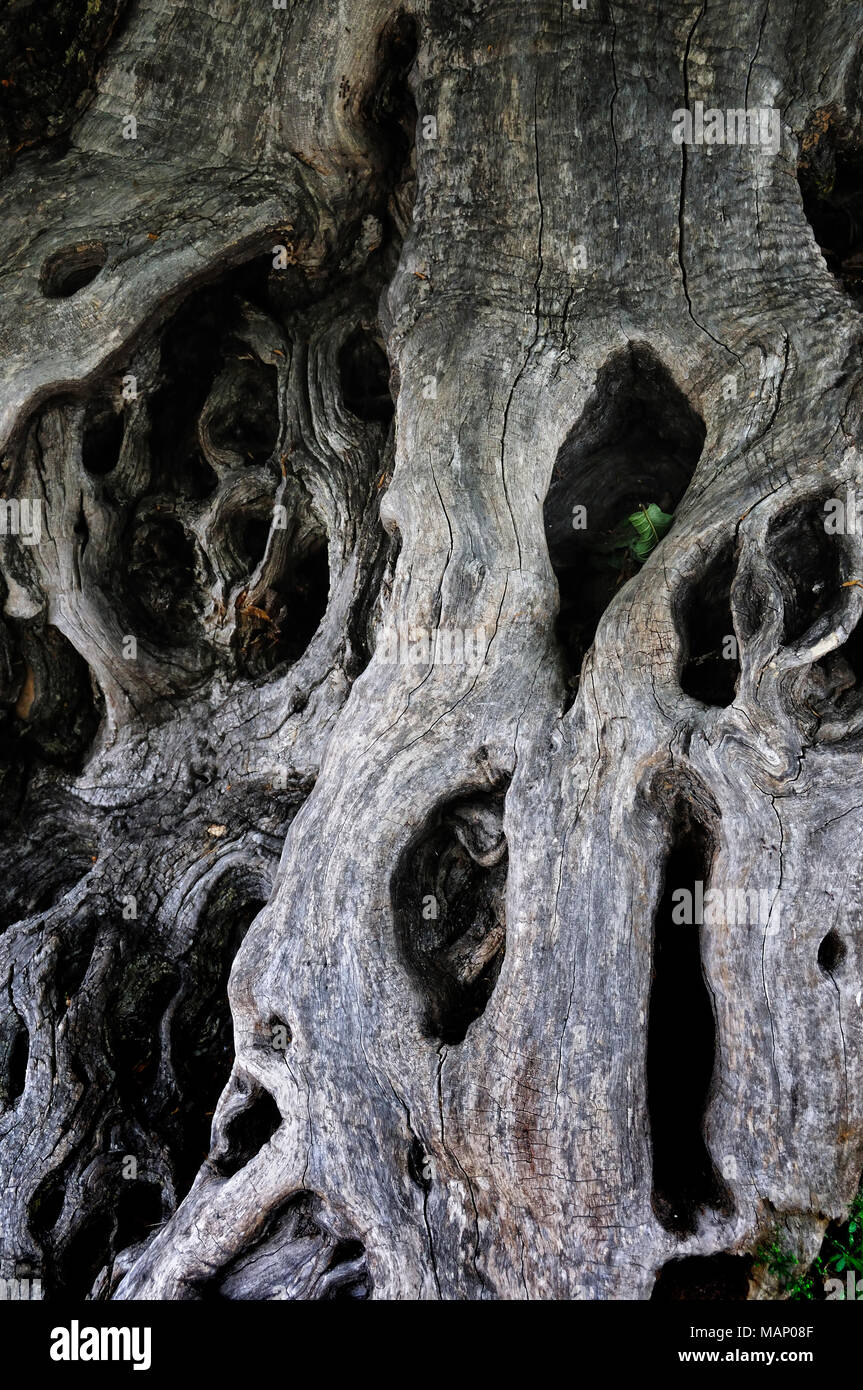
pixel 356 770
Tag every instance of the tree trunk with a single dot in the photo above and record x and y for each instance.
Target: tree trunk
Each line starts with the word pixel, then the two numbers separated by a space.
pixel 339 343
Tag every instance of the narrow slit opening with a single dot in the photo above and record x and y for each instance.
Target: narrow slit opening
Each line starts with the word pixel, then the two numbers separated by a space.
pixel 711 666
pixel 681 1037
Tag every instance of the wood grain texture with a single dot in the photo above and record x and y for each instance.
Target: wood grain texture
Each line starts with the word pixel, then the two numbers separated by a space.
pixel 468 1059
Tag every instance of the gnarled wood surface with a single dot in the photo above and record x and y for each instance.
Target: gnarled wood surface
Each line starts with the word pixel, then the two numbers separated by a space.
pixel 469 1054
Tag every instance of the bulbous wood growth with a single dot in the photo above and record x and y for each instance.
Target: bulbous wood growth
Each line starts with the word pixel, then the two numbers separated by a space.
pixel 420 880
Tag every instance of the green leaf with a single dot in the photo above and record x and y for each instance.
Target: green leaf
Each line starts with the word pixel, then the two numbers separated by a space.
pixel 651 524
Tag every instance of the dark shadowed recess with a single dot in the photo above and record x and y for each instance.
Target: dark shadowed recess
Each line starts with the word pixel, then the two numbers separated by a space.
pixel 681 1040
pixel 637 442
pixel 364 374
pixel 50 708
pixel 710 667
pixel 126 1212
pixel 704 1277
pixel 389 110
pixel 831 952
pixel 244 420
pixel 830 174
pixel 834 688
pixel 810 561
pixel 49 50
pixel 38 868
pixel 14 1054
pixel 70 269
pixel 170 1098
pixel 175 1096
pixel 194 349
pixel 246 1133
pixel 278 627
pixel 448 894
pixel 202 1039
pixel 162 593
pixel 103 433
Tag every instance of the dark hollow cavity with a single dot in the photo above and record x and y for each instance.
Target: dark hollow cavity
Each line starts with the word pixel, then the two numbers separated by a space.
pixel 14 1056
pixel 78 1261
pixel 202 1039
pixel 835 688
pixel 161 588
pixel 289 612
pixel 418 1166
pixel 681 1042
pixel 637 443
pixel 830 174
pixel 194 349
pixel 389 112
pixel 59 707
pixel 140 1208
pixel 102 438
pixel 448 897
pixel 831 952
pixel 711 667
pixel 809 560
pixel 73 960
pixel 364 376
pixel 704 1277
pixel 133 1018
pixel 70 270
pixel 246 421
pixel 247 1133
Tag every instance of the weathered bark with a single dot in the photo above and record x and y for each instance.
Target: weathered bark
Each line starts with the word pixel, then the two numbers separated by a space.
pixel 471 1055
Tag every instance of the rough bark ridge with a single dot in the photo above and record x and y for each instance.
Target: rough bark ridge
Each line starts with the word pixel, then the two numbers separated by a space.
pixel 471 1056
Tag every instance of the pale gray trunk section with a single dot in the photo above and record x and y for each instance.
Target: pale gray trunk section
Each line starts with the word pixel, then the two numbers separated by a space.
pixel 471 1057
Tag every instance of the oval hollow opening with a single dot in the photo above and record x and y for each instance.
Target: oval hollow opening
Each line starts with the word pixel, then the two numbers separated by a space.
pixel 831 952
pixel 102 438
pixel 711 667
pixel 245 420
pixel 160 581
pixel 66 272
pixel 247 1133
pixel 631 454
pixel 810 563
pixel 449 892
pixel 19 1056
pixel 364 373
pixel 195 345
pixel 281 623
